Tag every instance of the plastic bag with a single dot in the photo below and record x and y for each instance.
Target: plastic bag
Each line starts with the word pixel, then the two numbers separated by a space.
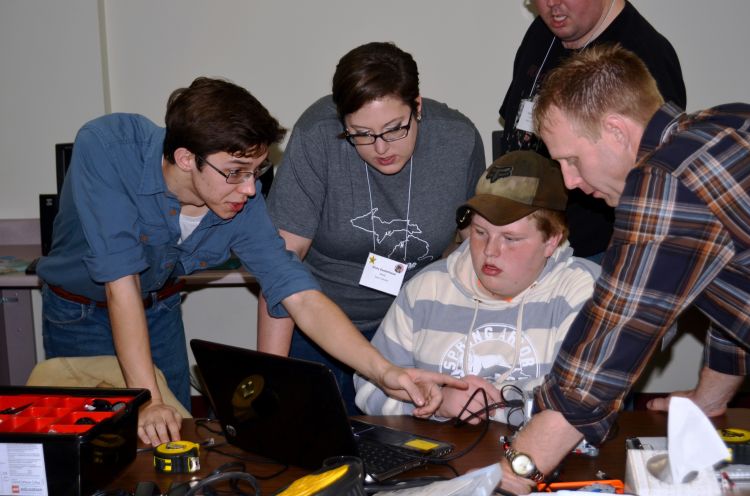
pixel 477 483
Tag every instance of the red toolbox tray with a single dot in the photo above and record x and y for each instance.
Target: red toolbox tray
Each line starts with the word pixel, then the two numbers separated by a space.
pixel 86 436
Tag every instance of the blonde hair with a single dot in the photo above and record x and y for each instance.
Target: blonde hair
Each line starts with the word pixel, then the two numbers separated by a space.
pixel 597 81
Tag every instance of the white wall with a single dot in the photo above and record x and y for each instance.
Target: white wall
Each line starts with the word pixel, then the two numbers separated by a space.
pixel 53 78
pixel 50 83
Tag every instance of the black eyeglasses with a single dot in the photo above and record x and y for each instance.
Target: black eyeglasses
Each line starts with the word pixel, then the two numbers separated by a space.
pixel 394 134
pixel 239 176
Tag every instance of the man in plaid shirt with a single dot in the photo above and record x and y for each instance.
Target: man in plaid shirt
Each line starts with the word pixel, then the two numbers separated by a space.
pixel 680 185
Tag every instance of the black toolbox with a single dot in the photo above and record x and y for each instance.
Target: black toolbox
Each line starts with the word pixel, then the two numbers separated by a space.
pixel 65 441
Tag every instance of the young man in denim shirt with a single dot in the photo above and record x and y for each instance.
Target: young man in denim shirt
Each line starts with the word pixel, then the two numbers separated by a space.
pixel 143 205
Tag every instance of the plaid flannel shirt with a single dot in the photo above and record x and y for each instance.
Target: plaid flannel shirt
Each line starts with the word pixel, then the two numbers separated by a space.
pixel 682 237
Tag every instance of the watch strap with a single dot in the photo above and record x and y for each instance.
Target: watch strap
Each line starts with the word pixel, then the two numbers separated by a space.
pixel 511 453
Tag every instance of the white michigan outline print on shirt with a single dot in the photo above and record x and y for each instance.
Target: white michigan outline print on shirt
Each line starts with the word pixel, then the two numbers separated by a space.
pixel 395 236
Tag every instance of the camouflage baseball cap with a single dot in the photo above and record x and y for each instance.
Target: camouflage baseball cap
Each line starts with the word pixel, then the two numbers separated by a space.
pixel 515 185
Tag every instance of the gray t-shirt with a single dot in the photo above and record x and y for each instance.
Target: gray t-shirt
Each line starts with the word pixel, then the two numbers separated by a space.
pixel 321 193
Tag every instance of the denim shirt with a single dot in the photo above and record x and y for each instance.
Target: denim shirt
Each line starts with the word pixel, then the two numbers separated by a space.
pixel 117 218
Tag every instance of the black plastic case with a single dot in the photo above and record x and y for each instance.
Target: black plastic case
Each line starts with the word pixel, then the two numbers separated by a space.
pixel 79 455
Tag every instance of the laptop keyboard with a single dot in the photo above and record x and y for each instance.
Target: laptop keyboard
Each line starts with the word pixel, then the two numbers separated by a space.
pixel 382 461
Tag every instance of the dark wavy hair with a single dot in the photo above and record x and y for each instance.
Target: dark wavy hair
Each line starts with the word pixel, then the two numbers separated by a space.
pixel 373 71
pixel 215 115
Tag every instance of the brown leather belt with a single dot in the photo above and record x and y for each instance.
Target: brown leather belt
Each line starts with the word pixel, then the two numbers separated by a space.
pixel 164 293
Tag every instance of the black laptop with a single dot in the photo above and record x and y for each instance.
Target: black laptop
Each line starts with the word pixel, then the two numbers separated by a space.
pixel 291 411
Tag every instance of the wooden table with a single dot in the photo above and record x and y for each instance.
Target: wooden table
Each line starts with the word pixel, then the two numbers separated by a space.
pixel 611 459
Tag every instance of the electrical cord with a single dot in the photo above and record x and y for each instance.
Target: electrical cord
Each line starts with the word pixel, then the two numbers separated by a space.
pixel 483 414
pixel 229 467
pixel 458 421
pixel 232 472
pixel 250 459
pixel 444 460
pixel 202 423
pixel 508 401
pixel 485 424
pixel 512 405
pixel 234 477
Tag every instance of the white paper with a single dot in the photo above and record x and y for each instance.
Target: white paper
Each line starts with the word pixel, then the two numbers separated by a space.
pixel 693 443
pixel 22 469
pixel 525 117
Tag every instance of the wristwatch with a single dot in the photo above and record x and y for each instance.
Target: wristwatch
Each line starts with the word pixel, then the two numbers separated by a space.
pixel 522 464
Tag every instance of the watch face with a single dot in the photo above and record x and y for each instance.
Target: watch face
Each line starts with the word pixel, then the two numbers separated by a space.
pixel 522 465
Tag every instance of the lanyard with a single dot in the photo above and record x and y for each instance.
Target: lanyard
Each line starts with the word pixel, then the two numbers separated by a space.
pixel 536 78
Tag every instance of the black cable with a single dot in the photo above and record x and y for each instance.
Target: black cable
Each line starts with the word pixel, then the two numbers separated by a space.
pixel 511 405
pixel 226 476
pixel 484 415
pixel 453 469
pixel 485 424
pixel 232 472
pixel 229 467
pixel 246 458
pixel 514 405
pixel 458 422
pixel 202 423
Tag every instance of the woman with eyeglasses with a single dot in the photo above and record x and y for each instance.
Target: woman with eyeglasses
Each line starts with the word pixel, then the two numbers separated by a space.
pixel 370 181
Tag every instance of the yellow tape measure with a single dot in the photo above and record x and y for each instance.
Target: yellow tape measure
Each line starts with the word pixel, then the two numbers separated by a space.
pixel 733 435
pixel 738 442
pixel 177 457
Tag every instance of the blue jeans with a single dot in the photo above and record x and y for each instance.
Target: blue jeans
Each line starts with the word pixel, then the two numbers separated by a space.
pixel 303 347
pixel 73 329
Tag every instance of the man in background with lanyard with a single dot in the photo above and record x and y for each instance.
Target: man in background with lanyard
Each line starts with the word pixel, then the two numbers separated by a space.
pixel 562 28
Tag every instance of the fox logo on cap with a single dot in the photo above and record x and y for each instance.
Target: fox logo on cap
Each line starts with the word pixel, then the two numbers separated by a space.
pixel 499 172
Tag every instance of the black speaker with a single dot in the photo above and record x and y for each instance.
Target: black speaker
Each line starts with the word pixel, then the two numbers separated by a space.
pixel 497 144
pixel 48 205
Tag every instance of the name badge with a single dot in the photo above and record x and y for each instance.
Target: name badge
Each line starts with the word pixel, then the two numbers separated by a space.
pixel 524 119
pixel 383 274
